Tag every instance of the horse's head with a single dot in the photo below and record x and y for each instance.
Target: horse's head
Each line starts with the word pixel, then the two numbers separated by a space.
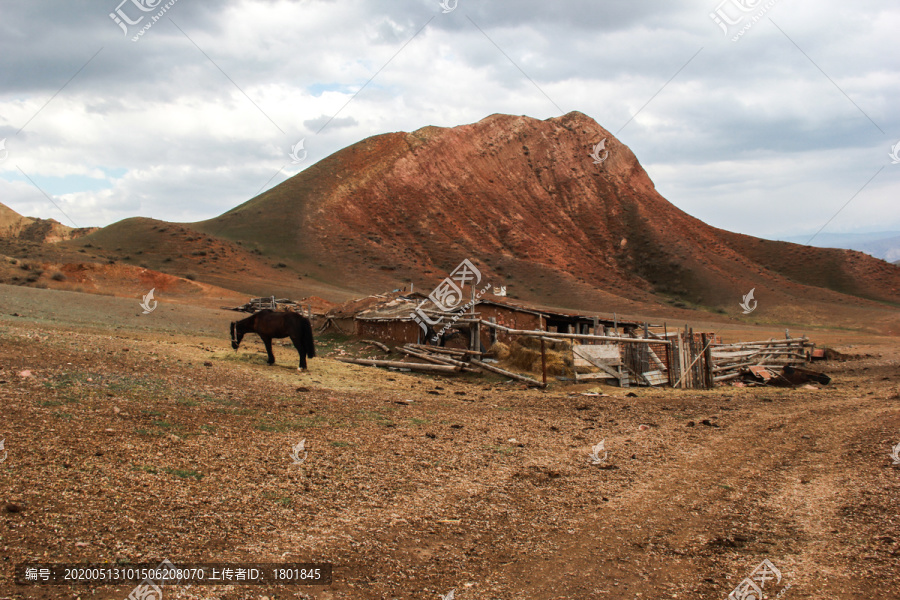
pixel 236 336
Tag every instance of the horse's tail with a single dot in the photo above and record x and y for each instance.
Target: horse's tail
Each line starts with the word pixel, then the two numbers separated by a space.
pixel 306 333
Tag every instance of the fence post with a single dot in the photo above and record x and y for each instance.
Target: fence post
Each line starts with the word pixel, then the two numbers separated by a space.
pixel 543 361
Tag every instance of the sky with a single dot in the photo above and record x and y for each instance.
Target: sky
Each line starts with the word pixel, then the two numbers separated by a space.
pixel 765 117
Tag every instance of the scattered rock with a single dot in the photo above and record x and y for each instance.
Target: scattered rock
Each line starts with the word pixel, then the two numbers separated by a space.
pixel 631 395
pixel 25 374
pixel 302 389
pixel 13 508
pixel 690 423
pixel 430 435
pixel 207 364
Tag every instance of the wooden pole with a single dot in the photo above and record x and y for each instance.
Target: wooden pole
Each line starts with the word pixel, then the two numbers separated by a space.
pixel 401 365
pixel 505 373
pixel 543 361
pixel 438 360
pixel 569 336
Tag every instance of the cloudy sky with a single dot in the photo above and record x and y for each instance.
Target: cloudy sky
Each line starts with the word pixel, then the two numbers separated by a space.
pixel 767 117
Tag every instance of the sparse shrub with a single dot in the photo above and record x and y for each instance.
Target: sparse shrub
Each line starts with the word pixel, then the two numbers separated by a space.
pixel 281 266
pixel 190 276
pixel 58 277
pixel 168 259
pixel 198 253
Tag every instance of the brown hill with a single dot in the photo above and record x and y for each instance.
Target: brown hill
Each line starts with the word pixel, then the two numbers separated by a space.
pixel 15 226
pixel 523 199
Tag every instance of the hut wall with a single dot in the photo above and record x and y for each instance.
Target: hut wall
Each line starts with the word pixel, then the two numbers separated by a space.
pixel 508 318
pixel 394 333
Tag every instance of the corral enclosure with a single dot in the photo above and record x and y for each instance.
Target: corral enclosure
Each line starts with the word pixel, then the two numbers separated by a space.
pixel 598 348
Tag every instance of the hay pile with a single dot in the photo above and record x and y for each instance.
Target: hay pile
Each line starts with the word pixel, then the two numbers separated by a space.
pixel 524 354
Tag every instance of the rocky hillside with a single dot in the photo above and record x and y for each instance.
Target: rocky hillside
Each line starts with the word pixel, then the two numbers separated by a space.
pixel 15 226
pixel 523 199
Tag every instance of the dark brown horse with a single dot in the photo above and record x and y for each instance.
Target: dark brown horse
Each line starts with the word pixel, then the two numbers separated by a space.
pixel 268 324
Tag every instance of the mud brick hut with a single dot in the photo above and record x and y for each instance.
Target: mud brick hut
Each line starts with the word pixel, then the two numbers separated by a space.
pixel 383 317
pixel 521 316
pixel 389 318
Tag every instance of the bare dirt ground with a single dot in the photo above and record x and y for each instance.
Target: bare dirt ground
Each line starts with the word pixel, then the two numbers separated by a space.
pixel 149 438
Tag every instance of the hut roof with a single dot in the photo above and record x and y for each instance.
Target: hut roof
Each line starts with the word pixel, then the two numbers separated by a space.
pixel 398 306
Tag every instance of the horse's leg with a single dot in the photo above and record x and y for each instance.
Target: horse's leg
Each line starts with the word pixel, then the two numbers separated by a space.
pixel 268 342
pixel 297 339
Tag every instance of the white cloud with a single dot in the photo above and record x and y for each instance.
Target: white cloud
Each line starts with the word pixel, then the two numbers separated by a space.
pixel 750 136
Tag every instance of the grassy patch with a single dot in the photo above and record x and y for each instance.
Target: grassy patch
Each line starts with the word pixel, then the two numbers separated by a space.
pixel 184 473
pixel 416 421
pixel 371 415
pixel 222 401
pixel 146 469
pixel 62 415
pixel 187 402
pixel 64 380
pixel 146 385
pixel 282 500
pixel 337 444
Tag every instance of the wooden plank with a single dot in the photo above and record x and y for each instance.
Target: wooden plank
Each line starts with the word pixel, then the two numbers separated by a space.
pixel 655 359
pixel 401 365
pixel 506 373
pixel 707 363
pixel 570 336
pixel 381 346
pixel 593 376
pixel 655 377
pixel 439 360
pixel 607 369
pixel 441 350
pixel 606 353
